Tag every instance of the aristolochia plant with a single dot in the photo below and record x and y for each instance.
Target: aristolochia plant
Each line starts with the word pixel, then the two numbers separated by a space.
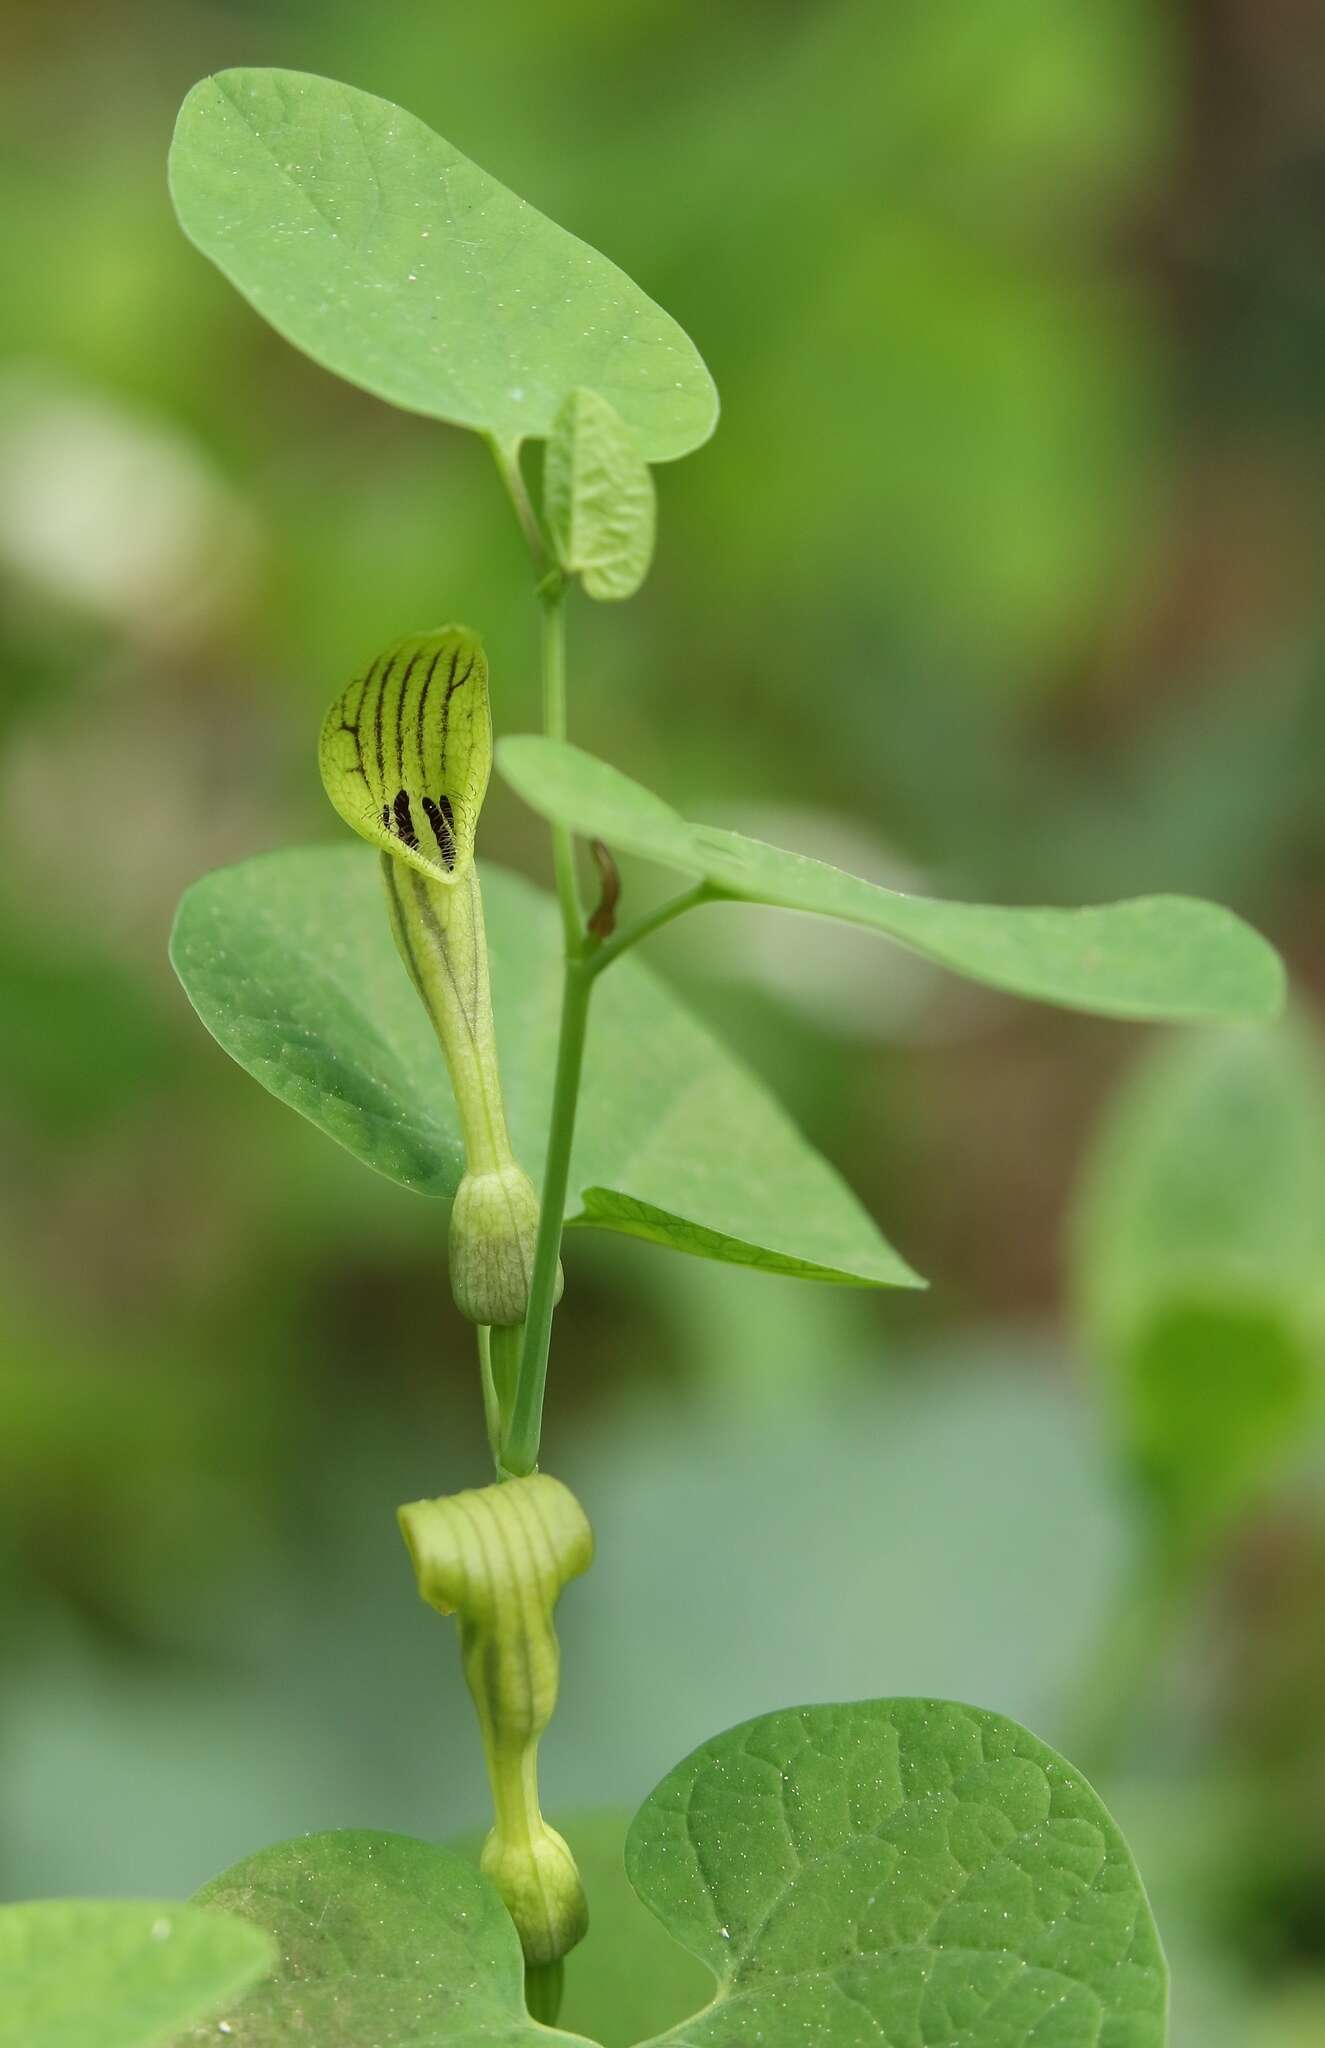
pixel 900 1872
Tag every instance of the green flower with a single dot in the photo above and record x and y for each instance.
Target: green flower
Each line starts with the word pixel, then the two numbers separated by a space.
pixel 405 754
pixel 498 1557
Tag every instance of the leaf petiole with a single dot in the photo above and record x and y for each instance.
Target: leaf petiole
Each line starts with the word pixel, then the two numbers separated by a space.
pixel 520 1450
pixel 492 1416
pixel 630 935
pixel 507 459
pixel 552 598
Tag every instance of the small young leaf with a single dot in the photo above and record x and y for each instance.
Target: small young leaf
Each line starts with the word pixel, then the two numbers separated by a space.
pixel 1200 1259
pixel 120 1973
pixel 599 498
pixel 289 962
pixel 406 750
pixel 899 1874
pixel 1157 957
pixel 388 257
pixel 382 1939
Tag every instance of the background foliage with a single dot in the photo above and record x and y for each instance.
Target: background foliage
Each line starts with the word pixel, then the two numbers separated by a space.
pixel 1016 309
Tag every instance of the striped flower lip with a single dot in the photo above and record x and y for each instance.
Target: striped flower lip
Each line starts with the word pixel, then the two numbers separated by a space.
pixel 406 751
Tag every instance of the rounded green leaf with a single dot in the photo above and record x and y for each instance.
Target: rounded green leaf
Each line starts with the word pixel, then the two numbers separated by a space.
pixel 120 1973
pixel 381 1939
pixel 289 962
pixel 899 1874
pixel 599 498
pixel 1154 958
pixel 383 253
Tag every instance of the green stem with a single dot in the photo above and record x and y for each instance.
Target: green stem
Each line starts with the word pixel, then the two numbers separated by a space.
pixel 520 1447
pixel 631 934
pixel 543 1987
pixel 499 1347
pixel 552 596
pixel 520 1451
pixel 523 1415
pixel 507 1345
pixel 492 1416
pixel 553 599
pixel 507 460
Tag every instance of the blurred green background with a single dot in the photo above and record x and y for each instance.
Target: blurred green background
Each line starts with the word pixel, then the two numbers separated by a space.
pixel 1017 308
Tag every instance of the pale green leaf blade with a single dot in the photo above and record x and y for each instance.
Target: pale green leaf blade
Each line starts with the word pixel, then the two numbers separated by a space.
pixel 1155 958
pixel 382 252
pixel 569 787
pixel 899 1874
pixel 381 1939
pixel 289 962
pixel 1200 1267
pixel 599 498
pixel 120 1973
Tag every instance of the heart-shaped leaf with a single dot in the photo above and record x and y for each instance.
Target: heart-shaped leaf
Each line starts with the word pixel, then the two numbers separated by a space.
pixel 381 1939
pixel 599 498
pixel 120 1973
pixel 289 962
pixel 1157 957
pixel 388 257
pixel 1200 1256
pixel 899 1874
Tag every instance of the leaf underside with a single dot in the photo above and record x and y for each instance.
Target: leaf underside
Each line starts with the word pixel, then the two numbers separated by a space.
pixel 384 254
pixel 120 1973
pixel 1161 958
pixel 289 962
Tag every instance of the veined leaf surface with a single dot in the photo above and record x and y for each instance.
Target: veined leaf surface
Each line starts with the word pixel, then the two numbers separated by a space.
pixel 599 498
pixel 381 1939
pixel 899 1874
